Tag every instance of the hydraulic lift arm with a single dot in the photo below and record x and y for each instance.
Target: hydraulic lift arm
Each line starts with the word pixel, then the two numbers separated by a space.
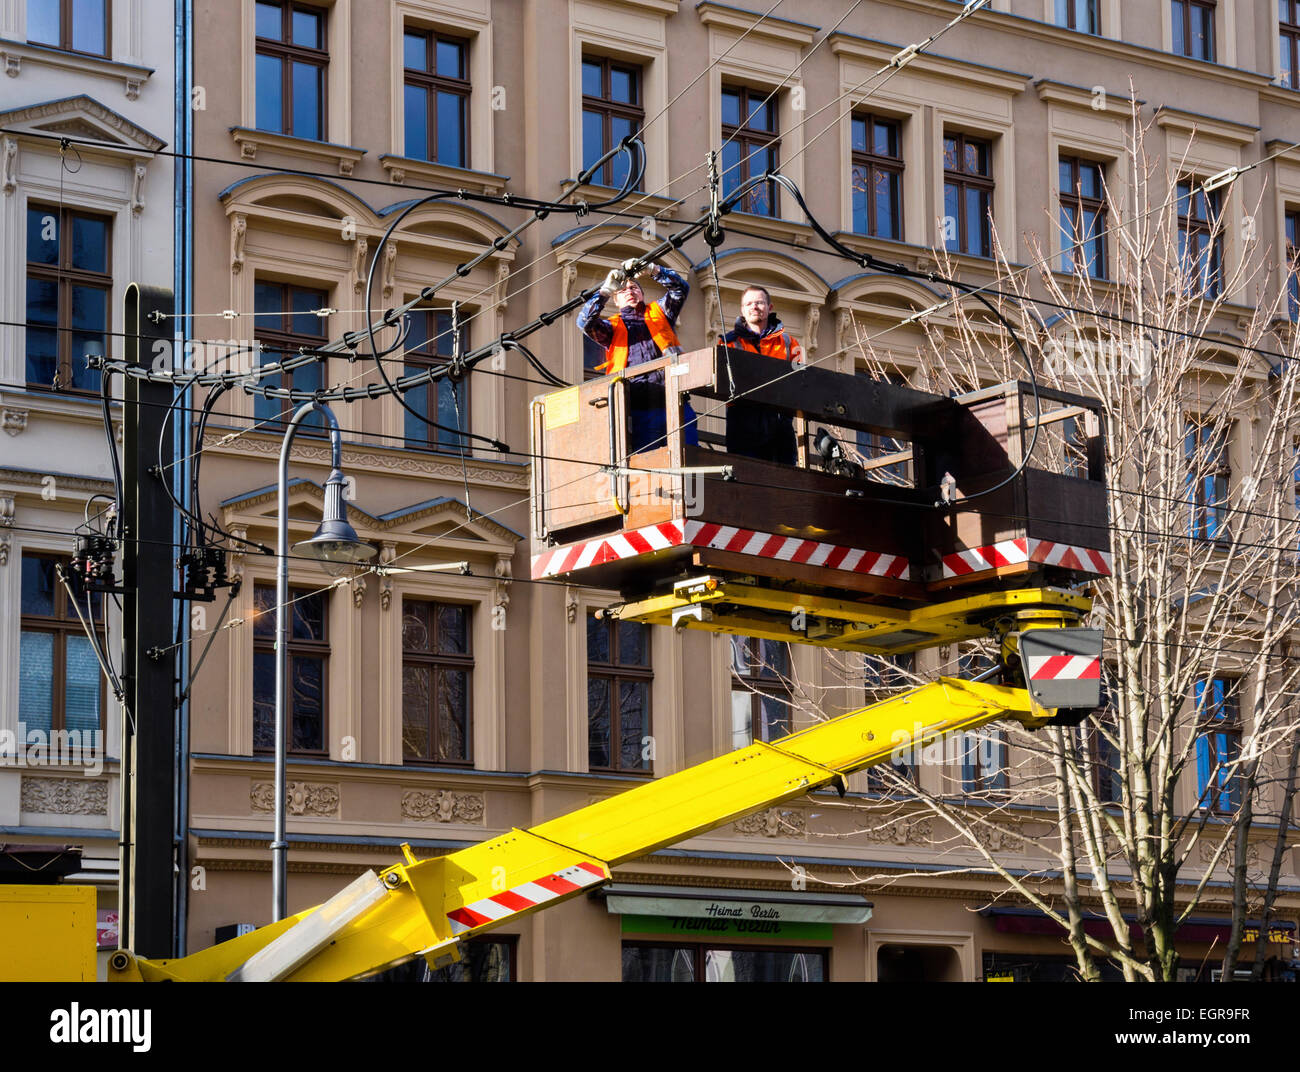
pixel 426 907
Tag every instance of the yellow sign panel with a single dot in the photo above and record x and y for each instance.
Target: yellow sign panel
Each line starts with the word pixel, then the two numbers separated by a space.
pixel 562 408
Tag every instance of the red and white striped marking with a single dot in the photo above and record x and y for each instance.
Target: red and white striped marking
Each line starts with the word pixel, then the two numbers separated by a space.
pixel 524 896
pixel 720 538
pixel 1014 552
pixel 1064 668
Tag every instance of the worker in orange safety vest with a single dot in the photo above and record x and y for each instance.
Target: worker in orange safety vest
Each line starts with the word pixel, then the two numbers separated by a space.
pixel 753 430
pixel 637 333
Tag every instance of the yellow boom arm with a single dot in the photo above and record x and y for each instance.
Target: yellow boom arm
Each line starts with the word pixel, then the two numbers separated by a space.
pixel 426 907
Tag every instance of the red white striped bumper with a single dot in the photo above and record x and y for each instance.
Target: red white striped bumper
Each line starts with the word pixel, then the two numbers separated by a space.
pixel 654 538
pixel 1063 668
pixel 524 896
pixel 1015 552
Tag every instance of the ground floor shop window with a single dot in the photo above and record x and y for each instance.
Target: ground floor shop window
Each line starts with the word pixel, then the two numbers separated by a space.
pixel 647 963
pixel 481 961
pixel 1031 968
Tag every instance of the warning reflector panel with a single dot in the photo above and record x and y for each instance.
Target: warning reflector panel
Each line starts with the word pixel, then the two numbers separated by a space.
pixel 1063 666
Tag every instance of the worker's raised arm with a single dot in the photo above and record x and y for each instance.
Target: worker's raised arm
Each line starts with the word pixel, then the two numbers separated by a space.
pixel 590 322
pixel 675 291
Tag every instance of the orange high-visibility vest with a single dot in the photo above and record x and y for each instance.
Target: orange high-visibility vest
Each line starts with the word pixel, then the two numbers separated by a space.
pixel 660 330
pixel 781 345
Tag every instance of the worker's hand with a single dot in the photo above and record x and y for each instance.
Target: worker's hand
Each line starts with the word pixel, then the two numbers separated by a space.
pixel 613 282
pixel 633 268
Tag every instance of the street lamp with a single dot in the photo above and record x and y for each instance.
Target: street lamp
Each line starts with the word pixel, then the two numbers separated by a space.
pixel 335 545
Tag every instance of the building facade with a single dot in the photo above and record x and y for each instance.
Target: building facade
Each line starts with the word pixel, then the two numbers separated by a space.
pixel 439 707
pixel 87 208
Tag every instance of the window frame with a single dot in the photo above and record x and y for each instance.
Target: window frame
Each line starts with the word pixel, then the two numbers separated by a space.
pixel 872 163
pixel 288 53
pixel 423 358
pixel 60 625
pixel 1291 235
pixel 1184 47
pixel 1094 16
pixel 1203 511
pixel 758 684
pixel 65 31
pixel 752 138
pixel 1210 284
pixel 437 661
pixel 609 109
pixel 699 951
pixel 284 341
pixel 296 647
pixel 616 672
pixel 433 83
pixel 967 180
pixel 1078 204
pixel 1289 38
pixel 65 277
pixel 1224 789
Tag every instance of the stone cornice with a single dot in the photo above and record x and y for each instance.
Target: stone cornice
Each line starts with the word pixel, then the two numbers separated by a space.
pixel 753 22
pixel 866 48
pixel 134 139
pixel 14 53
pixel 1205 126
pixel 24 478
pixel 344 157
pixel 403 168
pixel 1102 46
pixel 648 204
pixel 396 463
pixel 1080 97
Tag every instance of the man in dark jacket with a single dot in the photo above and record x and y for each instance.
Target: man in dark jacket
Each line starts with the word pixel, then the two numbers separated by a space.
pixel 755 431
pixel 638 333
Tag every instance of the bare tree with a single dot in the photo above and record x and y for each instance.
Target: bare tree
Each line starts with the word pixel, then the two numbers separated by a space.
pixel 1189 771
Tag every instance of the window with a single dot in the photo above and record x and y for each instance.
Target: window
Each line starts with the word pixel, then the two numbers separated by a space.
pixel 291 66
pixel 1208 474
pixel 1107 769
pixel 967 195
pixel 429 345
pixel 437 665
pixel 984 761
pixel 1193 28
pixel 308 662
pixel 760 690
pixel 285 319
pixel 483 960
pixel 58 672
pixel 877 177
pixel 1288 66
pixel 1083 217
pixel 1218 744
pixel 1200 248
pixel 983 751
pixel 1293 264
pixel 611 110
pixel 436 97
pixel 618 695
pixel 69 287
pixel 1078 15
pixel 647 963
pixel 70 25
pixel 751 146
pixel 883 675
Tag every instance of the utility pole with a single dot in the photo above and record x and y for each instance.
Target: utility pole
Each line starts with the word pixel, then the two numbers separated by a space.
pixel 148 878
